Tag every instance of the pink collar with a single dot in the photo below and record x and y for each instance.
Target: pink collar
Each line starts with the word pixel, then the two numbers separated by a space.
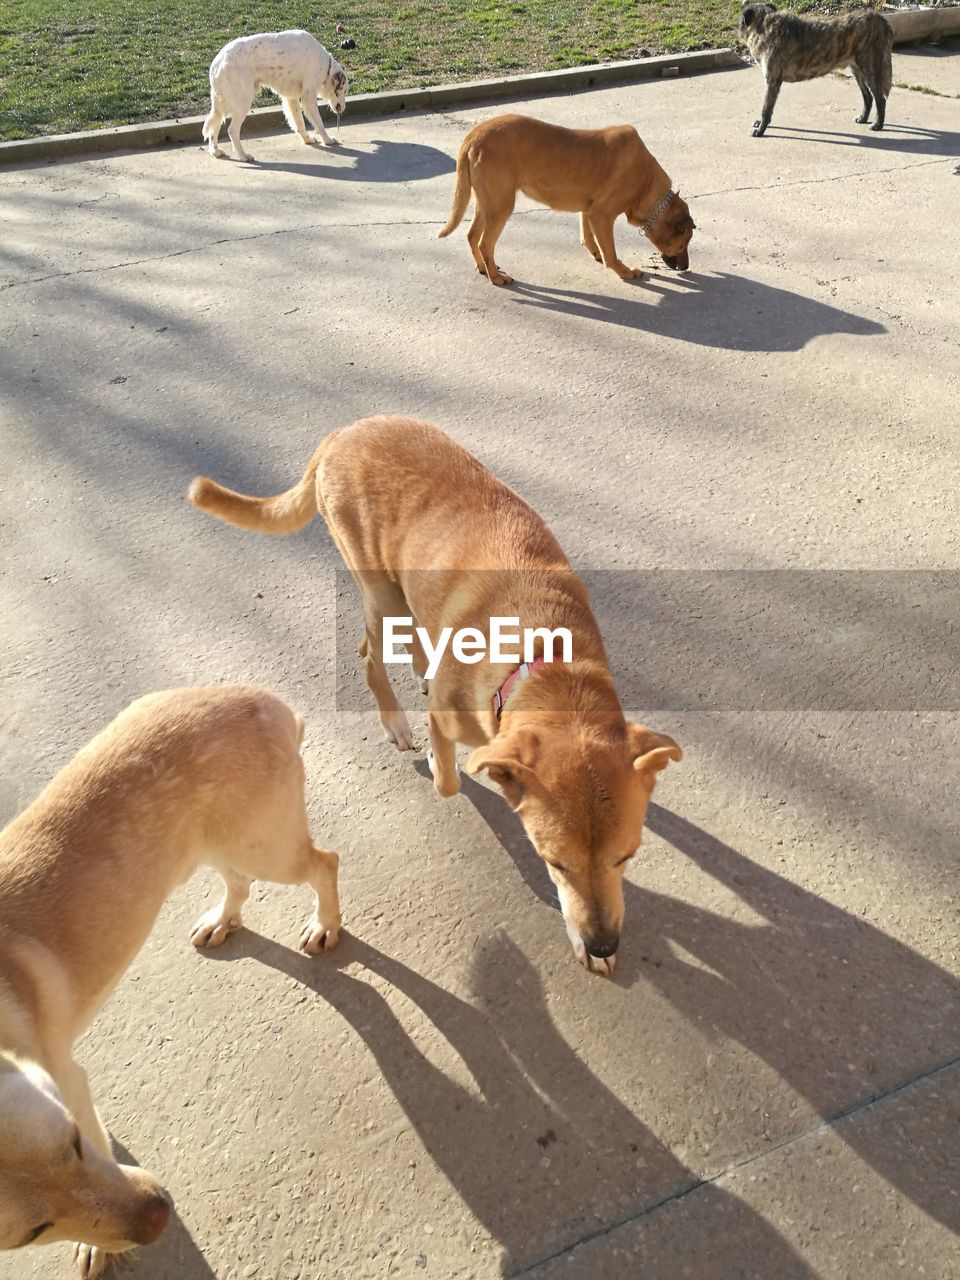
pixel 502 695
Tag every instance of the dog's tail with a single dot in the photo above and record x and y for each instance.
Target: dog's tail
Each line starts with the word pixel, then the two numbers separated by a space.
pixel 886 62
pixel 217 110
pixel 284 513
pixel 461 194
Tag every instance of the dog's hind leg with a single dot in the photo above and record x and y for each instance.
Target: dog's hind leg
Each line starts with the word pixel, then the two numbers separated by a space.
pixel 881 113
pixel 382 598
pixel 473 238
pixel 214 925
pixel 238 113
pixel 588 239
pixel 769 102
pixel 879 82
pixel 867 95
pixel 493 207
pixel 419 661
pixel 312 108
pixel 212 126
pixel 493 224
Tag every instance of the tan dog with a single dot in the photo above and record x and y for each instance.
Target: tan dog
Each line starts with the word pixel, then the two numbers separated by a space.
pixel 429 533
pixel 181 778
pixel 598 173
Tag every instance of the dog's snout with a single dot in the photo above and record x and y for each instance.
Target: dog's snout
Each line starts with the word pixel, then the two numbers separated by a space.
pixel 153 1219
pixel 602 947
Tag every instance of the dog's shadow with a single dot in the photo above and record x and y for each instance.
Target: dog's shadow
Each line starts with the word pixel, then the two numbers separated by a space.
pixel 892 137
pixel 535 1127
pixel 729 312
pixel 849 992
pixel 536 1145
pixel 384 161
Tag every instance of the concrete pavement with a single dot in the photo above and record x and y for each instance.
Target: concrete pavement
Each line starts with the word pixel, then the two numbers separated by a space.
pixel 770 1087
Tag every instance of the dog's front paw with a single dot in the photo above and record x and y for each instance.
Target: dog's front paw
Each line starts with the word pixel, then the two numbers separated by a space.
pixel 213 928
pixel 631 273
pixel 498 277
pixel 861 119
pixel 876 126
pixel 247 158
pixel 90 1260
pixel 445 787
pixel 331 142
pixel 218 153
pixel 317 937
pixel 396 729
pixel 758 130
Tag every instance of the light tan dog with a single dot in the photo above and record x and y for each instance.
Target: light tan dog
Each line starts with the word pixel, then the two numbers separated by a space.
pixel 429 533
pixel 181 778
pixel 598 173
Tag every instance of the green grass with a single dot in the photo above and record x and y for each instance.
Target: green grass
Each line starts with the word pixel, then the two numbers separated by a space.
pixel 70 64
pixel 922 88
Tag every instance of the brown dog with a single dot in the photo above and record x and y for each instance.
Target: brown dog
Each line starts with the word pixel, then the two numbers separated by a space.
pixel 598 173
pixel 180 778
pixel 431 535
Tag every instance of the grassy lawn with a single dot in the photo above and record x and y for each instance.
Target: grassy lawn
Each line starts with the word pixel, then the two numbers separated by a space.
pixel 80 64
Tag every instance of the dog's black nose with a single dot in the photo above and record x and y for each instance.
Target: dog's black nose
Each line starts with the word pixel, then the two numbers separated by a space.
pixel 604 948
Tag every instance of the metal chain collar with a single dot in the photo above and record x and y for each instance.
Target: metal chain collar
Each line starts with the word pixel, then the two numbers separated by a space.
pixel 651 219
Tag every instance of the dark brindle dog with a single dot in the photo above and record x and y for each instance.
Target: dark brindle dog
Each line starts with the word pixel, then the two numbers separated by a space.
pixel 792 48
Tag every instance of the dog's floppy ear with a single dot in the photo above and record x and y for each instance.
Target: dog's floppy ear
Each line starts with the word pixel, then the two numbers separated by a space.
pixel 651 751
pixel 508 762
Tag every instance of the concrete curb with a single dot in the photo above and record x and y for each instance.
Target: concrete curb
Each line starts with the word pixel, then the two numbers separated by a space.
pixel 163 132
pixel 923 23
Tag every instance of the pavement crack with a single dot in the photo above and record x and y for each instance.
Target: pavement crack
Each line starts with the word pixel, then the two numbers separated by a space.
pixel 215 244
pixel 96 199
pixel 696 1184
pixel 415 222
pixel 810 182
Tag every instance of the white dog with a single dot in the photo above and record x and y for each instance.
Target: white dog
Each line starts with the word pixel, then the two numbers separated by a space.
pixel 293 65
pixel 181 778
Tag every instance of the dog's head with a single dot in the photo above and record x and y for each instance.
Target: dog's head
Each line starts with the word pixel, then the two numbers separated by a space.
pixel 54 1185
pixel 335 89
pixel 671 232
pixel 752 18
pixel 582 798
